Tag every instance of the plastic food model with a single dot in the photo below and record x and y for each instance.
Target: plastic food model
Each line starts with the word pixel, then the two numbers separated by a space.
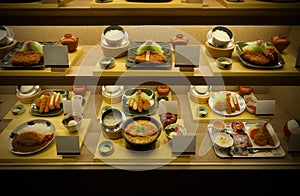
pixel 150 51
pixel 30 54
pixel 70 41
pixel 139 101
pixel 280 42
pixel 259 53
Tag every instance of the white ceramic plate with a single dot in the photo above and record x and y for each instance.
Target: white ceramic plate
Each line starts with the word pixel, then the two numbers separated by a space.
pixel 39 125
pixel 241 101
pixel 271 131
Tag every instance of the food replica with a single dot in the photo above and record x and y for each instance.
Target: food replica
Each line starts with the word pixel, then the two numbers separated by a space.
pixel 150 51
pixel 30 54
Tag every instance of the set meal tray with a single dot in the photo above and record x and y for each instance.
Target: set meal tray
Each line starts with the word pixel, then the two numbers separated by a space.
pixel 255 151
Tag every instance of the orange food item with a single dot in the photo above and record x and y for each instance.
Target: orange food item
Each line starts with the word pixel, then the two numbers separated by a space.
pixel 253 132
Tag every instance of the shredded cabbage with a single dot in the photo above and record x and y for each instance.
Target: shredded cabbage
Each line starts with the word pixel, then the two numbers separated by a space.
pixel 256 46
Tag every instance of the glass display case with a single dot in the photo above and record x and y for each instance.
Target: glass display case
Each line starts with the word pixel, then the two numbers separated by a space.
pixel 96 152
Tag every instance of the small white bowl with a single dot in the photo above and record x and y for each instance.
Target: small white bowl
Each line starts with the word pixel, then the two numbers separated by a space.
pixel 221 36
pixel 107 62
pixel 222 140
pixel 114 35
pixel 251 107
pixel 224 63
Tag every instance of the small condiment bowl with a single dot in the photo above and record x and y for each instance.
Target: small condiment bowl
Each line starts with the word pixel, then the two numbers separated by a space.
pixel 251 107
pixel 106 148
pixel 201 111
pixel 18 109
pixel 72 121
pixel 107 62
pixel 224 62
pixel 175 129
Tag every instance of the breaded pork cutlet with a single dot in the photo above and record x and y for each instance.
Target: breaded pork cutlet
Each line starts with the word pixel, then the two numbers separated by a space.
pixel 254 57
pixel 26 58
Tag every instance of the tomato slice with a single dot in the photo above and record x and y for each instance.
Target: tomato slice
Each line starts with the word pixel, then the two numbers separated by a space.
pixel 253 132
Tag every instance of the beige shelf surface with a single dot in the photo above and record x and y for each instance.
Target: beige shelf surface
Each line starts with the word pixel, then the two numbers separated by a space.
pixel 32 5
pixel 245 115
pixel 26 115
pixel 125 4
pixel 259 4
pixel 46 155
pixel 239 70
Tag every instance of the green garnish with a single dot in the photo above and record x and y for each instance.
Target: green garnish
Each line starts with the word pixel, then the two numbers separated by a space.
pixel 141 128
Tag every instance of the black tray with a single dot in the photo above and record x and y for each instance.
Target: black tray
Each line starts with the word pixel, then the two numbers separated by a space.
pixel 6 63
pixel 131 64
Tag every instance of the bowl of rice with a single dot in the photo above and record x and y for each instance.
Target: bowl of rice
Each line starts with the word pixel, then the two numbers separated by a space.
pixel 221 36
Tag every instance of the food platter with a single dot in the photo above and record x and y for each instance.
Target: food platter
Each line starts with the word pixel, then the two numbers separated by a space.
pixel 34 110
pixel 278 63
pixel 130 62
pixel 6 63
pixel 129 111
pixel 248 127
pixel 241 102
pixel 45 130
pixel 252 152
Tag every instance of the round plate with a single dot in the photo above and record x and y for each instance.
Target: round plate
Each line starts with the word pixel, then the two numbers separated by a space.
pixel 241 101
pixel 44 127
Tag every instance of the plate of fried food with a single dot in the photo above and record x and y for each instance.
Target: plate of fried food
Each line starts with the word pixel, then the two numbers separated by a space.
pixel 138 101
pixel 48 102
pixel 149 55
pixel 262 135
pixel 31 137
pixel 26 55
pixel 259 54
pixel 226 103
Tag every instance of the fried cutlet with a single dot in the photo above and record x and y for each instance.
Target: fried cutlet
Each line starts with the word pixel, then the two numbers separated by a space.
pixel 271 53
pixel 26 58
pixel 255 57
pixel 153 57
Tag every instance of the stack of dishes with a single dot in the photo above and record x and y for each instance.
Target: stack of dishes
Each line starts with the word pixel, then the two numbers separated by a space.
pixel 27 93
pixel 112 93
pixel 200 93
pixel 220 42
pixel 114 41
